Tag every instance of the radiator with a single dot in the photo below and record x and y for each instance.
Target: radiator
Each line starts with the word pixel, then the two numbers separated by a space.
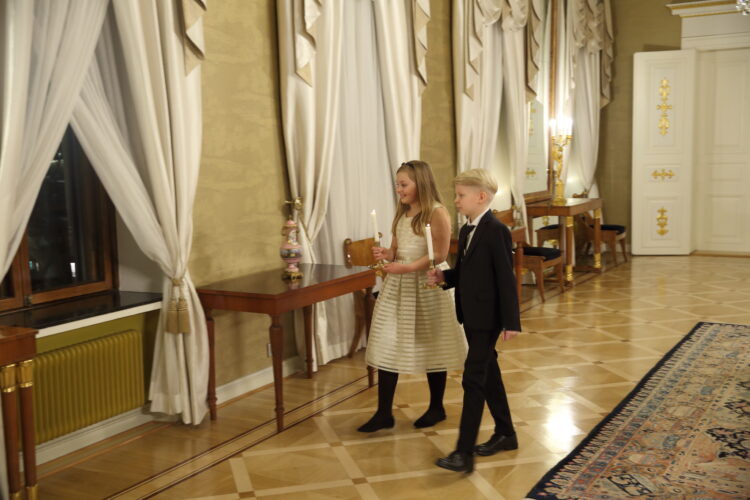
pixel 85 383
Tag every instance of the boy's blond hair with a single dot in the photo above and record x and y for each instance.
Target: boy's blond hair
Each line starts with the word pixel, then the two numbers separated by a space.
pixel 477 177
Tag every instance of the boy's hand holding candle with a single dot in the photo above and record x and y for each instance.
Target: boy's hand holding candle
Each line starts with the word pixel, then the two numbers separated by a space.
pixel 435 276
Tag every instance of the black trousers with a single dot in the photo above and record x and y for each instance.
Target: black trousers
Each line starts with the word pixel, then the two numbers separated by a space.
pixel 482 382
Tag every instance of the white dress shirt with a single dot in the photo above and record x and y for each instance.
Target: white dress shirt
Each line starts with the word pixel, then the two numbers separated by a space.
pixel 471 233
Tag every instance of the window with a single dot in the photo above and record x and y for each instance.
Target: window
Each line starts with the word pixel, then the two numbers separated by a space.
pixel 69 247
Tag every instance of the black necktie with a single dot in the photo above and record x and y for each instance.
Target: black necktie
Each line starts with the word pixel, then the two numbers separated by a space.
pixel 464 234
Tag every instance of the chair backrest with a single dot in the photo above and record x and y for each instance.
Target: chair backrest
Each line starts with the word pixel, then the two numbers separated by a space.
pixel 359 253
pixel 504 216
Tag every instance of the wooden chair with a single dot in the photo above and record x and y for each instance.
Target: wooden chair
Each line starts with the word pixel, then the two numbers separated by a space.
pixel 611 234
pixel 359 253
pixel 548 232
pixel 537 260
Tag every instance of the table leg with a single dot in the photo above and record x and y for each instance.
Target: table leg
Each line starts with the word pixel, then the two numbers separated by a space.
pixel 307 312
pixel 598 239
pixel 211 396
pixel 569 249
pixel 25 386
pixel 276 334
pixel 10 429
pixel 369 306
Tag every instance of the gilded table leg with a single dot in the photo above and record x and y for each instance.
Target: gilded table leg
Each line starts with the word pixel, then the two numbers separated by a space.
pixel 211 396
pixel 25 387
pixel 307 312
pixel 569 249
pixel 277 354
pixel 598 239
pixel 10 428
pixel 369 306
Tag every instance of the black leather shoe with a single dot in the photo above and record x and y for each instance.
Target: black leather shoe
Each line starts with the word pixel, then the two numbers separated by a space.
pixel 457 461
pixel 376 423
pixel 496 443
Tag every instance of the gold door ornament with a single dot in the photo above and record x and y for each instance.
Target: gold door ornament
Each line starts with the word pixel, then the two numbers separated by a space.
pixel 663 174
pixel 662 220
pixel 532 110
pixel 530 173
pixel 664 90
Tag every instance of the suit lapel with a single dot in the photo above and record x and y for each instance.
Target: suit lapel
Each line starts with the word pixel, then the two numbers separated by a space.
pixel 478 231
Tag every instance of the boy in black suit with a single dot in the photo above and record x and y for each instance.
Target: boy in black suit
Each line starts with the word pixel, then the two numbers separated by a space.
pixel 487 306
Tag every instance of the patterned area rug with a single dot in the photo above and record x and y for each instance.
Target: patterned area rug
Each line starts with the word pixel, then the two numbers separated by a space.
pixel 683 432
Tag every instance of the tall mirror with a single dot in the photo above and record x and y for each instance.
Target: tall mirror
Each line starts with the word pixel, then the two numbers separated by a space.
pixel 537 182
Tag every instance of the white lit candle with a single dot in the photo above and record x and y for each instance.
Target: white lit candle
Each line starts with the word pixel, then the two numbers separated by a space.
pixel 374 218
pixel 553 126
pixel 428 237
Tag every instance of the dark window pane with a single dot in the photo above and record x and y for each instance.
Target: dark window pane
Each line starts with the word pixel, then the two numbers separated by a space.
pixel 64 229
pixel 6 287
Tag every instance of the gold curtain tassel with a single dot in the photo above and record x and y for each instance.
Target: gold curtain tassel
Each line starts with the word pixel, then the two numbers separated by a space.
pixel 183 315
pixel 173 325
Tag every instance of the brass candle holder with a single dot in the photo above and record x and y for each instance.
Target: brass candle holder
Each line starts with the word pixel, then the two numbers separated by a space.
pixel 379 266
pixel 558 149
pixel 428 286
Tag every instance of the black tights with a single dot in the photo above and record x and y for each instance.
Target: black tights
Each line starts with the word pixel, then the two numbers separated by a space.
pixel 387 388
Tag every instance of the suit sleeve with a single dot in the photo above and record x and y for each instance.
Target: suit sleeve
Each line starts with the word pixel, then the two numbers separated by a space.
pixel 451 278
pixel 505 280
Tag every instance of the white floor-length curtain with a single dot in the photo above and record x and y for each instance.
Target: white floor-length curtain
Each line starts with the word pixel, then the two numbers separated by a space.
pixel 361 178
pixel 478 77
pixel 564 74
pixel 310 44
pixel 401 42
pixel 588 30
pixel 139 121
pixel 515 97
pixel 45 48
pixel 585 146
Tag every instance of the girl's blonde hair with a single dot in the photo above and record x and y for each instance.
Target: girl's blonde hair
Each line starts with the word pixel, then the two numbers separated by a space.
pixel 427 195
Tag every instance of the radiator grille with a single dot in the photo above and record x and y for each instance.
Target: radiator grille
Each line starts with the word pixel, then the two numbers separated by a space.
pixel 83 384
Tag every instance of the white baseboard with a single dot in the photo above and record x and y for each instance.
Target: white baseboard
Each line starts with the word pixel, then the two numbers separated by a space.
pixel 250 382
pixel 87 436
pixel 92 434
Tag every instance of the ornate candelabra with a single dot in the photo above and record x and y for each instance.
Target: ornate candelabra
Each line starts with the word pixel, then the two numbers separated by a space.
pixel 558 149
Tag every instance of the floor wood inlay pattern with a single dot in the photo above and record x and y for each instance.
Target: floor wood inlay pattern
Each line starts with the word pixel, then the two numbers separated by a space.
pixel 581 352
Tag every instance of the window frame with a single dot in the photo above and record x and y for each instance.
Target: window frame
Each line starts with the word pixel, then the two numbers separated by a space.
pixel 20 276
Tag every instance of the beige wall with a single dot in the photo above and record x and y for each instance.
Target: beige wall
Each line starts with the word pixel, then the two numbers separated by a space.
pixel 242 185
pixel 640 25
pixel 438 129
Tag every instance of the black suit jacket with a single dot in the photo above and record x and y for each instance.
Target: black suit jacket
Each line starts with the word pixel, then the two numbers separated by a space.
pixel 485 285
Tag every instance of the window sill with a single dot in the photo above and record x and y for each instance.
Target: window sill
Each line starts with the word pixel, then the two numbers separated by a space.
pixel 51 319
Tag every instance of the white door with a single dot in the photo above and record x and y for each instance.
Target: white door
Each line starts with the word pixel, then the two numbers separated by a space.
pixel 663 117
pixel 722 168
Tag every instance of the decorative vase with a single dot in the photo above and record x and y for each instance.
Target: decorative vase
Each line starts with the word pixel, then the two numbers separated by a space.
pixel 291 250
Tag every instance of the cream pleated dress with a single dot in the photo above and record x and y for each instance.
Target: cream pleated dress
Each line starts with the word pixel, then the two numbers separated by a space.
pixel 414 329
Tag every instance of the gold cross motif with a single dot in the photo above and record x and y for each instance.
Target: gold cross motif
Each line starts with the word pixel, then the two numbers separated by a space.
pixel 664 90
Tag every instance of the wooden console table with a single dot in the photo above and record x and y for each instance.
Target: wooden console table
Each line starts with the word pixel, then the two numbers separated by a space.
pixel 17 350
pixel 266 292
pixel 572 207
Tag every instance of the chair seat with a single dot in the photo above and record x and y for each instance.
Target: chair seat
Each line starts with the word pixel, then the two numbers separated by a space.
pixel 551 226
pixel 547 253
pixel 613 227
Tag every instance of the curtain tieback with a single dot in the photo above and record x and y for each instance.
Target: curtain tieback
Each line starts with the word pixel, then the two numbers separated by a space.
pixel 178 314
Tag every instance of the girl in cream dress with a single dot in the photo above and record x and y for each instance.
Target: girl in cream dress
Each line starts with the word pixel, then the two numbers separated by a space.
pixel 414 329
